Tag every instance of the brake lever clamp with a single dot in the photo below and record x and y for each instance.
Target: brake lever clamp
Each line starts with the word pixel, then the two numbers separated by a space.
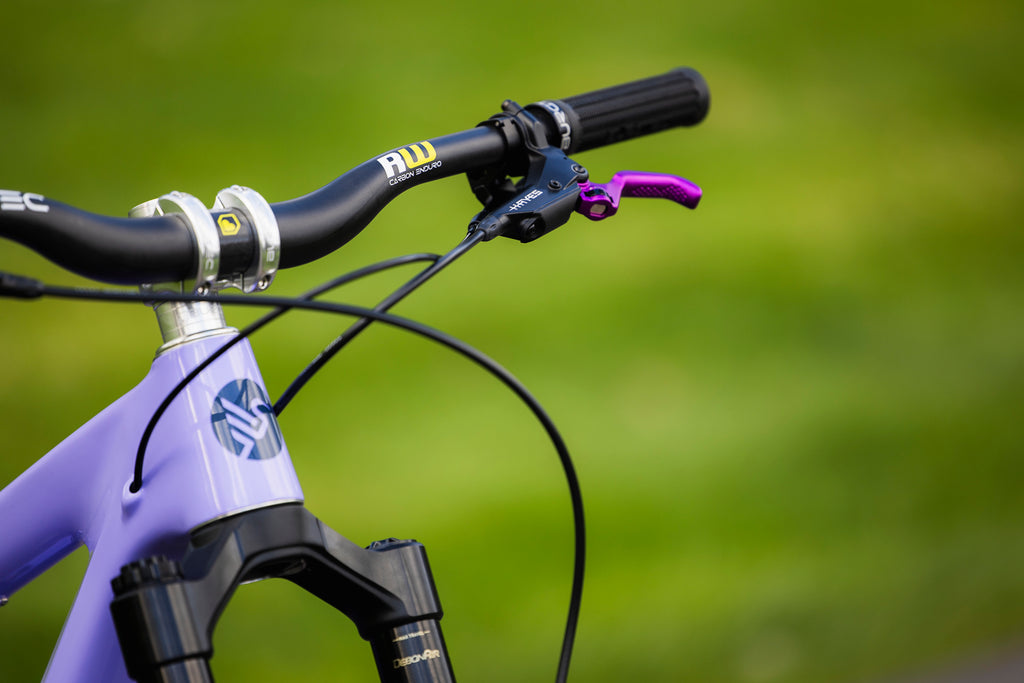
pixel 542 200
pixel 600 200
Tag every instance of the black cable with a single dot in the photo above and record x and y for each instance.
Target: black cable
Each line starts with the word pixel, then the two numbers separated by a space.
pixel 358 326
pixel 246 332
pixel 481 359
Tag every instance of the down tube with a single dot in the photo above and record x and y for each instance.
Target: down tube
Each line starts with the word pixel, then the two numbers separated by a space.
pixel 216 451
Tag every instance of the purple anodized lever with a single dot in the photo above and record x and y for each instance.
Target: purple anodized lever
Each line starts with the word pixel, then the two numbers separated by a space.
pixel 600 200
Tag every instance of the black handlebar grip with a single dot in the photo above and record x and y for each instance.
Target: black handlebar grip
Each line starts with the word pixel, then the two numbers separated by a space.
pixel 576 124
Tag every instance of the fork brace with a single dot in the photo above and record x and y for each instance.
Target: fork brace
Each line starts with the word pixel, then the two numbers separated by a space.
pixel 165 612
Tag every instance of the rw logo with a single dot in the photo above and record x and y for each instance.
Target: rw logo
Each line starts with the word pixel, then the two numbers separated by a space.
pixel 400 161
pixel 244 422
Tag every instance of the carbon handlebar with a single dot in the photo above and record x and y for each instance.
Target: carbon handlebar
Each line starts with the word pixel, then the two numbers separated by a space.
pixel 163 248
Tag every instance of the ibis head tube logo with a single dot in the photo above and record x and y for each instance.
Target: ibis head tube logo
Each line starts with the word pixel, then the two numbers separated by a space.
pixel 244 421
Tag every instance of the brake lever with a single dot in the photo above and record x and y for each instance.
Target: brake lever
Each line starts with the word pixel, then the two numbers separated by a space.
pixel 601 200
pixel 542 200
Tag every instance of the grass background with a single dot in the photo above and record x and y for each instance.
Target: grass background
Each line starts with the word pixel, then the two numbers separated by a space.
pixel 795 411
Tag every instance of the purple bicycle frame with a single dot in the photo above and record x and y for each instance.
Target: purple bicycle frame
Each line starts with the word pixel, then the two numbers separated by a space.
pixel 200 465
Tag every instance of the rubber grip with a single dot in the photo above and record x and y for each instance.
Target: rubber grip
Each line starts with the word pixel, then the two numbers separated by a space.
pixel 621 112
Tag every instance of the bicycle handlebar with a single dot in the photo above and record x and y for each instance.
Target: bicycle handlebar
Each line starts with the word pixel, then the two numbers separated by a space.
pixel 324 220
pixel 163 249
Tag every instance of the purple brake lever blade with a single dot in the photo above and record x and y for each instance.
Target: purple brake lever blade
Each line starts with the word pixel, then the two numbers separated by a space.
pixel 599 200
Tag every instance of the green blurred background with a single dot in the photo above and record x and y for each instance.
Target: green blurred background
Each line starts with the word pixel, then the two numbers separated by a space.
pixel 795 411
